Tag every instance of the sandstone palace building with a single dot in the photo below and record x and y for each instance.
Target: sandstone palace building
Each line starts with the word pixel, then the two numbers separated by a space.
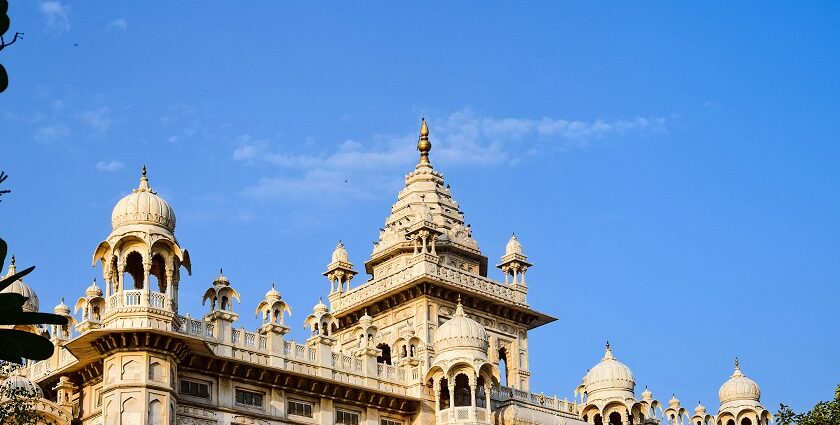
pixel 426 339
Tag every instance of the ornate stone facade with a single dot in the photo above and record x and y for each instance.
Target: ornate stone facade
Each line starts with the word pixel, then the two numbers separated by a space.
pixel 429 339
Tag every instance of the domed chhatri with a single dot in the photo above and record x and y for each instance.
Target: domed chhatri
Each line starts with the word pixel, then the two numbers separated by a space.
pixel 24 385
pixel 143 206
pixel 513 246
pixel 459 333
pixel 62 309
pixel 340 254
pixel 739 388
pixel 609 375
pixel 93 290
pixel 273 294
pixel 20 287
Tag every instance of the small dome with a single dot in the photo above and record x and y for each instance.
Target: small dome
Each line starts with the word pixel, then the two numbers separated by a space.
pixel 320 307
pixel 700 410
pixel 365 320
pixel 340 254
pixel 143 206
pixel 460 332
pixel 16 382
pixel 513 246
pixel 272 294
pixel 647 395
pixel 739 387
pixel 19 287
pixel 93 290
pixel 674 401
pixel 609 374
pixel 221 279
pixel 62 309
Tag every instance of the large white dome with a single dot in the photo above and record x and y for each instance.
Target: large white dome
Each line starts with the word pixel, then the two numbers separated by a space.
pixel 739 387
pixel 609 374
pixel 17 382
pixel 460 332
pixel 19 287
pixel 143 206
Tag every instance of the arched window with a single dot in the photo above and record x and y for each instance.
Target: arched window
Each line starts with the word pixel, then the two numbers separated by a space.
pixel 158 273
pixel 503 366
pixel 134 268
pixel 730 422
pixel 385 358
pixel 598 420
pixel 224 305
pixel 481 395
pixel 412 350
pixel 444 394
pixel 325 328
pixel 746 421
pixel 615 418
pixel 463 396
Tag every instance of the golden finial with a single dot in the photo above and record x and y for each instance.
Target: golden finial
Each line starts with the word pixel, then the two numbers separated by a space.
pixel 423 145
pixel 144 170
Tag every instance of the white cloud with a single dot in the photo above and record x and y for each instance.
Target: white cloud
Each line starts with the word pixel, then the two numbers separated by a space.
pixel 51 133
pixel 461 139
pixel 112 165
pixel 118 24
pixel 57 15
pixel 98 119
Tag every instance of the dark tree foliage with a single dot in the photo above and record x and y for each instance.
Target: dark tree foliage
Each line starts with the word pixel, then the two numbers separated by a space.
pixel 5 22
pixel 824 413
pixel 17 405
pixel 15 344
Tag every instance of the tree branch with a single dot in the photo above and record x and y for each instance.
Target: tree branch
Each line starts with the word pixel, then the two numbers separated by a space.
pixel 3 44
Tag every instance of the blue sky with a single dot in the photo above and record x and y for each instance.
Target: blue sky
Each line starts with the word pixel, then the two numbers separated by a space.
pixel 670 168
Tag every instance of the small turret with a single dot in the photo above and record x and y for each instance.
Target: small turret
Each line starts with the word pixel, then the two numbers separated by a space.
pixel 340 270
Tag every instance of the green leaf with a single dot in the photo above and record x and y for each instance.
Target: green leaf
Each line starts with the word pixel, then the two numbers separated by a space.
pixel 29 318
pixel 9 280
pixel 4 248
pixel 11 303
pixel 4 23
pixel 4 79
pixel 14 342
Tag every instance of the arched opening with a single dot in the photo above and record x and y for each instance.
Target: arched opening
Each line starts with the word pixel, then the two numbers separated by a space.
pixel 444 394
pixel 481 395
pixel 730 422
pixel 503 366
pixel 325 328
pixel 746 421
pixel 586 418
pixel 385 357
pixel 463 396
pixel 224 305
pixel 411 352
pixel 615 418
pixel 134 268
pixel 597 419
pixel 157 274
pixel 404 353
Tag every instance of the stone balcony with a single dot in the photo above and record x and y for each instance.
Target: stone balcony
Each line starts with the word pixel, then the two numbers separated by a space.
pixel 463 415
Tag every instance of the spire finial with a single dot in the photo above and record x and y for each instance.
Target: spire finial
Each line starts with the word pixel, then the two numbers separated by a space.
pixel 737 363
pixel 221 271
pixel 423 144
pixel 144 182
pixel 608 345
pixel 12 268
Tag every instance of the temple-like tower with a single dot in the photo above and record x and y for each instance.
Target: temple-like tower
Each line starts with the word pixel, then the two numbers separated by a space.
pixel 141 262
